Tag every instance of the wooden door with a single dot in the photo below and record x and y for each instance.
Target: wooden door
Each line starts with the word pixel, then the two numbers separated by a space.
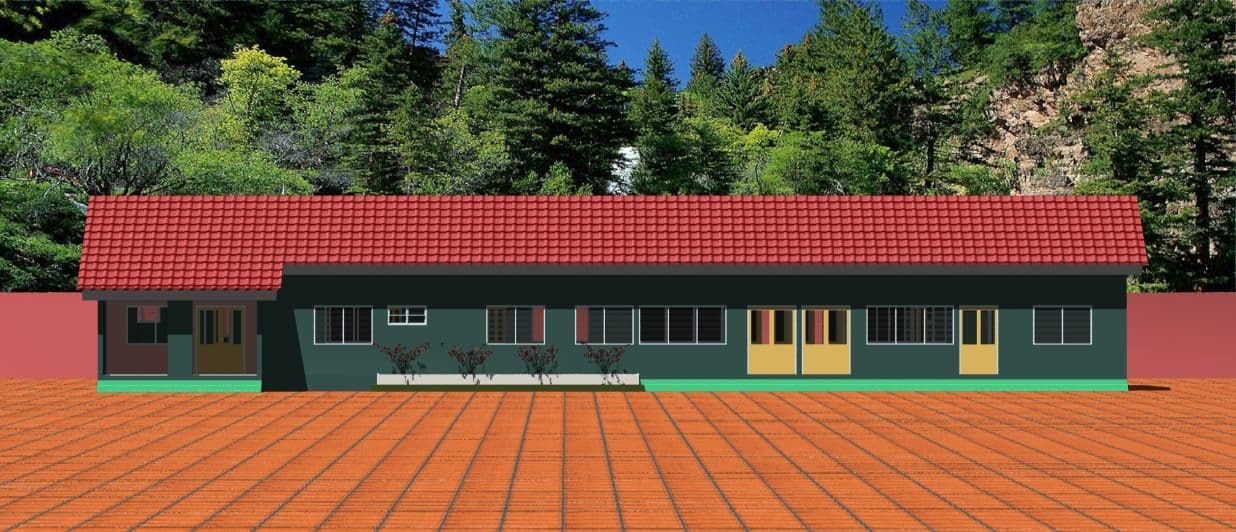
pixel 980 348
pixel 771 335
pixel 826 341
pixel 219 337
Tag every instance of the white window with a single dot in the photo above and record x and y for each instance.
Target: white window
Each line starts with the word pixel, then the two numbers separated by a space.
pixel 682 325
pixel 342 325
pixel 1062 325
pixel 604 325
pixel 910 325
pixel 515 325
pixel 407 315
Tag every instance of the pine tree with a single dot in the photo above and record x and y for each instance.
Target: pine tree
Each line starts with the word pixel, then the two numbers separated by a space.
pixel 653 107
pixel 846 78
pixel 1007 14
pixel 654 114
pixel 383 74
pixel 556 96
pixel 930 61
pixel 740 98
pixel 707 67
pixel 418 21
pixel 969 29
pixel 1199 125
pixel 707 61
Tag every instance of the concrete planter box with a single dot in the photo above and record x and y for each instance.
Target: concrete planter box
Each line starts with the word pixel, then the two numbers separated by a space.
pixel 454 379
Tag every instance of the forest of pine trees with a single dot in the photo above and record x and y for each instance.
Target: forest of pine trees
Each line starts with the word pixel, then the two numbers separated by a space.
pixel 520 97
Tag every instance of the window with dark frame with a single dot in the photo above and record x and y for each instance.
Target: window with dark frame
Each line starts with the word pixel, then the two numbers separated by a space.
pixel 343 325
pixel 515 325
pixel 147 324
pixel 1062 325
pixel 987 326
pixel 824 326
pixel 978 326
pixel 681 325
pixel 407 315
pixel 836 326
pixel 783 326
pixel 910 325
pixel 604 325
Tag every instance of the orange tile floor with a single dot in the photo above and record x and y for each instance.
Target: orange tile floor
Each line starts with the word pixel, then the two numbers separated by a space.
pixel 1151 459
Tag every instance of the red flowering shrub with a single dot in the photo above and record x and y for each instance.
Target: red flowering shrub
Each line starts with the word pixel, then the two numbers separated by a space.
pixel 539 362
pixel 607 361
pixel 469 360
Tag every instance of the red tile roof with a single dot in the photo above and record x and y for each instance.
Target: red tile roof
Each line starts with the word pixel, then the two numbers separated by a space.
pixel 243 242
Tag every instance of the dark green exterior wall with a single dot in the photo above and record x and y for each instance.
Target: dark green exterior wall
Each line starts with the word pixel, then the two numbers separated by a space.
pixel 456 304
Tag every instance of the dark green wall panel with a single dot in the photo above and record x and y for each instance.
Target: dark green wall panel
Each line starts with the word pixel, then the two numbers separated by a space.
pixel 456 317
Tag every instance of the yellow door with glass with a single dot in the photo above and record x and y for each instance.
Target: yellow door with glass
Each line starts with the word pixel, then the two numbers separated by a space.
pixel 219 335
pixel 826 341
pixel 770 341
pixel 980 352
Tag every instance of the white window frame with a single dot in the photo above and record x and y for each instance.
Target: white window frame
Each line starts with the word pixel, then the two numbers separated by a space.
pixel 424 310
pixel 605 317
pixel 485 323
pixel 952 336
pixel 695 314
pixel 315 324
pixel 1034 325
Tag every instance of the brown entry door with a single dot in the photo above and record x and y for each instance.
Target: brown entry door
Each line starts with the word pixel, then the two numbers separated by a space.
pixel 219 333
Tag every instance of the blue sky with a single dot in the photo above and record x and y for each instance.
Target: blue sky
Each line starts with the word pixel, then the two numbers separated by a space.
pixel 757 27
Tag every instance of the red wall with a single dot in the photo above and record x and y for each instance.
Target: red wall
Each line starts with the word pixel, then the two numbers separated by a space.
pixel 1182 335
pixel 46 335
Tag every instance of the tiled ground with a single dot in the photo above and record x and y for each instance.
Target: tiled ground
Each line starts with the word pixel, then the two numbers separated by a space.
pixel 1144 460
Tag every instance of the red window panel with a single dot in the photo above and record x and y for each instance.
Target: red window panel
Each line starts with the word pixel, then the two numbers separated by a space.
pixel 538 324
pixel 815 326
pixel 581 325
pixel 761 327
pixel 148 314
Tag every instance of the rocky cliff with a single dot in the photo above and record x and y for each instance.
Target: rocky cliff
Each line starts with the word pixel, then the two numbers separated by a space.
pixel 1048 159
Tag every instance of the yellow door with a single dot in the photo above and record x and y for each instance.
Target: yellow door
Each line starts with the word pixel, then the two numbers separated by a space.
pixel 979 342
pixel 219 333
pixel 770 341
pixel 826 341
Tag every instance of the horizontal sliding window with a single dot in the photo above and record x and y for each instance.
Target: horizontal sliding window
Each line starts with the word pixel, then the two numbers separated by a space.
pixel 604 325
pixel 343 325
pixel 405 315
pixel 1062 325
pixel 681 325
pixel 147 324
pixel 910 325
pixel 515 325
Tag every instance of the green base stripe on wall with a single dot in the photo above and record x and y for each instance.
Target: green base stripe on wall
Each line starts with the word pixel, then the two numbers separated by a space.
pixel 885 385
pixel 156 385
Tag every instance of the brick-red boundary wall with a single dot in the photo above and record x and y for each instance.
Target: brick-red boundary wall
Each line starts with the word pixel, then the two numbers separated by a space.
pixel 48 335
pixel 1182 335
pixel 52 335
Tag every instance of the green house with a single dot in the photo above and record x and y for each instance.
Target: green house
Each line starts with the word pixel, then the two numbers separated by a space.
pixel 701 292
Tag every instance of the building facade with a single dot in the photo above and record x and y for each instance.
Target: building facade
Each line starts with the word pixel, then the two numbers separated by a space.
pixel 711 293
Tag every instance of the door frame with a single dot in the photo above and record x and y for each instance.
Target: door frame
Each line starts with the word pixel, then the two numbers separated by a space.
pixel 978 334
pixel 794 310
pixel 244 343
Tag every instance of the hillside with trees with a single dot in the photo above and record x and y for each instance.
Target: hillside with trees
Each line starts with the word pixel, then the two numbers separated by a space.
pixel 520 97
